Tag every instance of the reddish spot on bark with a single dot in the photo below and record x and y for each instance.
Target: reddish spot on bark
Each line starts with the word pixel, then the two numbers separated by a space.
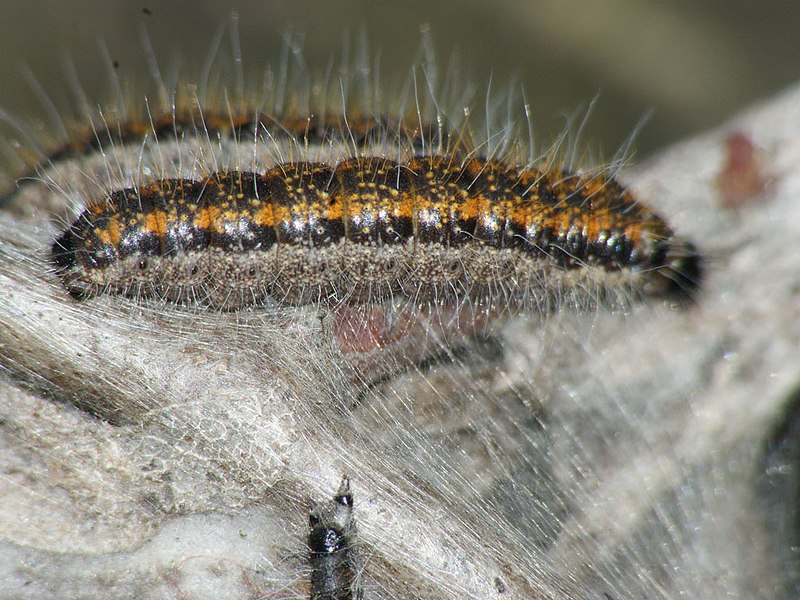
pixel 379 339
pixel 742 178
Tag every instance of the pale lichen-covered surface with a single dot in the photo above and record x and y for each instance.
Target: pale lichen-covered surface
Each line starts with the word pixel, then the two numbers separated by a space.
pixel 154 451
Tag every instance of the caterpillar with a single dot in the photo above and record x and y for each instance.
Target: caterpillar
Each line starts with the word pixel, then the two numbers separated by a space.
pixel 333 557
pixel 443 227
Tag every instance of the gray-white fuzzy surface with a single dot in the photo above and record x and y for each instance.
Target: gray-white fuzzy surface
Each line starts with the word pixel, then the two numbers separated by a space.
pixel 157 451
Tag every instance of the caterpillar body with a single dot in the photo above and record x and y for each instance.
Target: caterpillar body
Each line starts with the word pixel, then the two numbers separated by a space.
pixel 440 227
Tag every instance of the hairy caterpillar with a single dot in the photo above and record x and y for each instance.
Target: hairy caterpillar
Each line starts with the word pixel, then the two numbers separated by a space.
pixel 367 228
pixel 331 545
pixel 443 227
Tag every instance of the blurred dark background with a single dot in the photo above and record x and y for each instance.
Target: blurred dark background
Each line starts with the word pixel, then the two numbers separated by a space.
pixel 692 63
